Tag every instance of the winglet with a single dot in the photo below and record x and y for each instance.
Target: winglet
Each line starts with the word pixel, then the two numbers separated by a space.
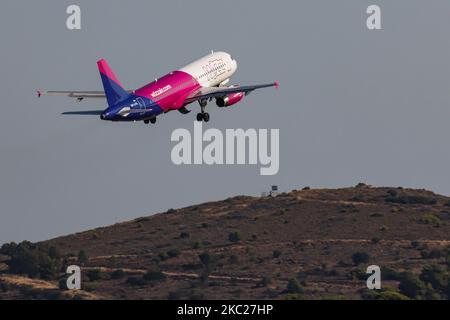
pixel 39 93
pixel 277 85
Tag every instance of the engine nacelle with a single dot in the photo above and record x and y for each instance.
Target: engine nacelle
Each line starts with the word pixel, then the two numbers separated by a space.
pixel 230 99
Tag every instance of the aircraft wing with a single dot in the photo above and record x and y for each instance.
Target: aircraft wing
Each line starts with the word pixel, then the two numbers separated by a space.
pixel 212 92
pixel 80 95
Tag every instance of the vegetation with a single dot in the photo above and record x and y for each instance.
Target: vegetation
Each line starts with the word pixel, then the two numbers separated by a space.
pixel 276 254
pixel 82 257
pixel 154 276
pixel 412 199
pixel 294 286
pixel 265 281
pixel 94 275
pixel 431 219
pixel 234 236
pixel 205 258
pixel 136 281
pixel 360 257
pixel 118 274
pixel 36 261
pixel 173 253
pixel 383 294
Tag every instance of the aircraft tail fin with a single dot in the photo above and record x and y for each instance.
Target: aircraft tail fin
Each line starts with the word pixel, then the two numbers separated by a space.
pixel 114 90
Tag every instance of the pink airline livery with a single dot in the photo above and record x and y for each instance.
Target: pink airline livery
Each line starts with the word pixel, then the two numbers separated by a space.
pixel 203 80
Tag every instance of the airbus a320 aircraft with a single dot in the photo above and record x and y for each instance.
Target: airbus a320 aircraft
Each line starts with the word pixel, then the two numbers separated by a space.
pixel 203 80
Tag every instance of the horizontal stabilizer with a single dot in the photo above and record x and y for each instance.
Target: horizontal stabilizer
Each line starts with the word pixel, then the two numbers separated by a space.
pixel 84 113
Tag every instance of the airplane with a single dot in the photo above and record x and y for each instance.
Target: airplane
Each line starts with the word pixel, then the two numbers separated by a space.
pixel 203 80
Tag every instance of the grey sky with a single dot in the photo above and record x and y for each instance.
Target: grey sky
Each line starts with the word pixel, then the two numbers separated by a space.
pixel 354 105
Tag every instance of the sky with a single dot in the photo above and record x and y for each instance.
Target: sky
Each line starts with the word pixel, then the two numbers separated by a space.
pixel 354 105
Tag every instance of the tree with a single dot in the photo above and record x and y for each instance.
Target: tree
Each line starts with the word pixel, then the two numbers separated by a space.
pixel 411 286
pixel 435 275
pixel 24 261
pixel 82 257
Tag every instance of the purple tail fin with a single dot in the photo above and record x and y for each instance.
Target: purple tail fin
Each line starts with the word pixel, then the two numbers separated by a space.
pixel 113 88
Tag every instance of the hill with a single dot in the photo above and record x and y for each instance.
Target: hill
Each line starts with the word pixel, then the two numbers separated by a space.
pixel 297 245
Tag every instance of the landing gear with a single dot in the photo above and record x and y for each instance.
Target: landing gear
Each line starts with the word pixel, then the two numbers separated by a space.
pixel 203 116
pixel 152 121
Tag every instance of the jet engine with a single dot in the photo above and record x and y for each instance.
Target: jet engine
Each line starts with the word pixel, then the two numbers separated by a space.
pixel 229 99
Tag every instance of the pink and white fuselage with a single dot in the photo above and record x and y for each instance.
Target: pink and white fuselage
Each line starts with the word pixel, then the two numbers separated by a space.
pixel 202 80
pixel 171 90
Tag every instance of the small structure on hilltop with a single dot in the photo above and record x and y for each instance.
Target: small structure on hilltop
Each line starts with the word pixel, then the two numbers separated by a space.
pixel 272 193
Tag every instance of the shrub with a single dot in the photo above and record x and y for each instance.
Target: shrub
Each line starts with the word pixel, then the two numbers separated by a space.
pixel 62 284
pixel 163 256
pixel 94 275
pixel 136 281
pixel 358 273
pixel 431 219
pixel 376 215
pixel 382 294
pixel 197 245
pixel 265 281
pixel 360 257
pixel 205 258
pixel 173 253
pixel 276 253
pixel 118 274
pixel 433 254
pixel 233 259
pixel 171 210
pixel 184 235
pixel 234 236
pixel 294 286
pixel 390 274
pixel 154 276
pixel 408 199
pixel 174 295
pixel 392 193
pixel 375 240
